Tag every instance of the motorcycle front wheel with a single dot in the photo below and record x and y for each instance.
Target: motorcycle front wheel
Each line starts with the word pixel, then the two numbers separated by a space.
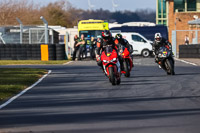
pixel 112 76
pixel 169 67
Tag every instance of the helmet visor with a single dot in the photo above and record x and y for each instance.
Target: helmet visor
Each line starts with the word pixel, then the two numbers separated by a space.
pixel 157 38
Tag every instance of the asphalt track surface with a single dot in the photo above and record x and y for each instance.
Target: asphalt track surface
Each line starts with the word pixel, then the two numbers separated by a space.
pixel 78 98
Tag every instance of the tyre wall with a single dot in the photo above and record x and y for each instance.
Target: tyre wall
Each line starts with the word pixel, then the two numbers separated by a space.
pixel 189 51
pixel 30 52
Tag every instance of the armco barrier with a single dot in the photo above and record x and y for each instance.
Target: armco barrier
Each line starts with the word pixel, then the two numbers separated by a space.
pixel 189 51
pixel 30 52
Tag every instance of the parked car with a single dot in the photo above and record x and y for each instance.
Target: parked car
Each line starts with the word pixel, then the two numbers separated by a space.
pixel 141 45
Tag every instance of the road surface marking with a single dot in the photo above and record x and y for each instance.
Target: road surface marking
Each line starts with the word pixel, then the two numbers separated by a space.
pixel 24 91
pixel 186 62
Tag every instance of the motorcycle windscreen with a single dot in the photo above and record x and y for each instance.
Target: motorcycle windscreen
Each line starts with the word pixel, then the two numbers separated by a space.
pixel 163 51
pixel 108 50
pixel 121 47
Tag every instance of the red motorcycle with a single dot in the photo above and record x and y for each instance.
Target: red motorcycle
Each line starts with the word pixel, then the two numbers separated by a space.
pixel 109 58
pixel 127 61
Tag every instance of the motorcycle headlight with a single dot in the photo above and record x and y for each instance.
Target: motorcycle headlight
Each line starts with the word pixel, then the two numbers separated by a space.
pixel 114 59
pixel 105 61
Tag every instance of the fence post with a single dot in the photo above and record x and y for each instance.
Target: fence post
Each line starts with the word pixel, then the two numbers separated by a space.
pixel 30 37
pixel 174 43
pixel 46 29
pixel 66 45
pixel 21 30
pixel 52 36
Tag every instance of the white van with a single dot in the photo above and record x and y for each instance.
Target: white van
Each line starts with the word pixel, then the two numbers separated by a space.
pixel 141 45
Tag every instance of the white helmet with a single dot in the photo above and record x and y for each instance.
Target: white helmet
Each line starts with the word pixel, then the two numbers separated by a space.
pixel 158 37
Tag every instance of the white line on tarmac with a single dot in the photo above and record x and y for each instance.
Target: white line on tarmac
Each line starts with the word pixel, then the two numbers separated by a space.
pixel 24 91
pixel 186 62
pixel 68 63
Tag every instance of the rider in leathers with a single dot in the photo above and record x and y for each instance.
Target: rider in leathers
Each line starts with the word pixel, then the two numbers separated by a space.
pixel 160 42
pixel 121 41
pixel 124 42
pixel 106 39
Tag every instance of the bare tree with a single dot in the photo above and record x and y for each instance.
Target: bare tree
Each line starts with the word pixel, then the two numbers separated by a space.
pixel 63 13
pixel 26 10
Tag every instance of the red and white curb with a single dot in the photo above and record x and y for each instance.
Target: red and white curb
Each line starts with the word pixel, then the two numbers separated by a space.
pixel 186 62
pixel 24 91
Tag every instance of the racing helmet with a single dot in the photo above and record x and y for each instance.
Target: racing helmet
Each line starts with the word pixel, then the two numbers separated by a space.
pixel 158 37
pixel 118 36
pixel 106 35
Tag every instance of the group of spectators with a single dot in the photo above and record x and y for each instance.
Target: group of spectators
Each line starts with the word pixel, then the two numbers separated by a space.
pixel 81 45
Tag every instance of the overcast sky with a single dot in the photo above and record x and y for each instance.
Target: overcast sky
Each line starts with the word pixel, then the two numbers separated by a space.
pixel 107 4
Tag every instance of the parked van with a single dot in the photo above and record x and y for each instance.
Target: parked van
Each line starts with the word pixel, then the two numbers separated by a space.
pixel 146 31
pixel 141 46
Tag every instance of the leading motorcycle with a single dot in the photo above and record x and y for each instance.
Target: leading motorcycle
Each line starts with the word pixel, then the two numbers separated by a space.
pixel 109 58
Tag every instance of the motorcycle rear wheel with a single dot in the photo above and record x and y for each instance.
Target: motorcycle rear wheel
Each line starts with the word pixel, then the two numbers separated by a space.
pixel 126 68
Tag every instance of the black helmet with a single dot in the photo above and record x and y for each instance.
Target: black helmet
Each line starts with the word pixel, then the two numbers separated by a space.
pixel 118 36
pixel 106 35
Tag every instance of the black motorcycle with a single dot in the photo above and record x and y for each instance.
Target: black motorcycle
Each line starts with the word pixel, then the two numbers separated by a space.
pixel 165 60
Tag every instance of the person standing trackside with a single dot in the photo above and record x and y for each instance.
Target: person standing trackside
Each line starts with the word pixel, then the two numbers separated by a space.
pixel 76 48
pixel 81 43
pixel 187 40
pixel 92 48
pixel 87 46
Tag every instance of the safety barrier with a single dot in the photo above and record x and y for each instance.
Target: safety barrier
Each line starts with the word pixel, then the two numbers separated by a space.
pixel 189 51
pixel 32 52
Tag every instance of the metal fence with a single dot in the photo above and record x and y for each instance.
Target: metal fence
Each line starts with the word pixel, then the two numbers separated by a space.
pixel 28 35
pixel 178 38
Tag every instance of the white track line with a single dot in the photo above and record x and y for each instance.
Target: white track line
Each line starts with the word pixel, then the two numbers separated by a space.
pixel 186 62
pixel 24 91
pixel 68 63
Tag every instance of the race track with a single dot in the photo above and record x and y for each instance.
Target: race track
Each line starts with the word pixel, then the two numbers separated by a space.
pixel 78 98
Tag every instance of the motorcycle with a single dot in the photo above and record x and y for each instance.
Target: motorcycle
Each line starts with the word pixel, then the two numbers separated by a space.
pixel 127 61
pixel 109 58
pixel 165 60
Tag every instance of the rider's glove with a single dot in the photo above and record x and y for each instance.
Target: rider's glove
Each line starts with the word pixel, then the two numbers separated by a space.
pixel 97 57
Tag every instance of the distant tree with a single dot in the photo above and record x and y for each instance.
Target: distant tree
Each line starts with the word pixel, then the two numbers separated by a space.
pixel 54 13
pixel 148 15
pixel 125 16
pixel 7 9
pixel 23 9
pixel 63 13
pixel 74 16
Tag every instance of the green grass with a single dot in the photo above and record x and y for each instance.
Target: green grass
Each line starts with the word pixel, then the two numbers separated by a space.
pixel 14 80
pixel 32 62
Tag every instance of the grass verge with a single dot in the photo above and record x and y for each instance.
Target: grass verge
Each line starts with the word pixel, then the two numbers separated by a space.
pixel 33 62
pixel 14 80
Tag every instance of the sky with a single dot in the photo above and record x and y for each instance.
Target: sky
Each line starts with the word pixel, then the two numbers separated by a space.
pixel 131 5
